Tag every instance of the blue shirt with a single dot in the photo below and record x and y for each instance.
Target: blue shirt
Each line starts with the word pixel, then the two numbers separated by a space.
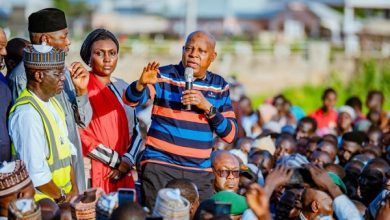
pixel 178 137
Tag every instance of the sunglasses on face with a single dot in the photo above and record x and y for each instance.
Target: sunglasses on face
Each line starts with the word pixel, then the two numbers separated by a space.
pixel 226 173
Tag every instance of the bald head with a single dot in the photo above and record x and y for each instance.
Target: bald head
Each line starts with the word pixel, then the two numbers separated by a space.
pixel 316 202
pixel 204 34
pixel 224 157
pixel 3 45
pixel 226 170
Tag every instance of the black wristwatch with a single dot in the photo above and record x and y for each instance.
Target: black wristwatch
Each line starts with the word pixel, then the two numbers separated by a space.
pixel 212 112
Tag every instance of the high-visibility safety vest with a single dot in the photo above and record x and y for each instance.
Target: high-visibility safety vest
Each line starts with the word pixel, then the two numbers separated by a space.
pixel 59 159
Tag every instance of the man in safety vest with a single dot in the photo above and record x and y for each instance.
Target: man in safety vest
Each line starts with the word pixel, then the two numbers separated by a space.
pixel 38 129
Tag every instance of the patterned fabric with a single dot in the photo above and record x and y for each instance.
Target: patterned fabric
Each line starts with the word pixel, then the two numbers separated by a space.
pixel 178 137
pixel 84 206
pixel 13 177
pixel 293 161
pixel 170 205
pixel 43 57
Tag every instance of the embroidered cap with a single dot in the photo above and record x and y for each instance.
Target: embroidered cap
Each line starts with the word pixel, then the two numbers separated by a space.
pixel 43 57
pixel 171 205
pixel 13 177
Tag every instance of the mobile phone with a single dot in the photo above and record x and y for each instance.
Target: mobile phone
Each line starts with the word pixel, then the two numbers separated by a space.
pixel 221 208
pixel 126 195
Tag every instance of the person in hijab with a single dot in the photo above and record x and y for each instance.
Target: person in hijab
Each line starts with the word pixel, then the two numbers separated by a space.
pixel 112 138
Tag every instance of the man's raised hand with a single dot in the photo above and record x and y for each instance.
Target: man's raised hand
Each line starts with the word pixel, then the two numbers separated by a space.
pixel 148 76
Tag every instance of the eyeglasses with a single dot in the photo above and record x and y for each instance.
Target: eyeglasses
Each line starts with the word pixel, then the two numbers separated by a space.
pixel 226 173
pixel 56 73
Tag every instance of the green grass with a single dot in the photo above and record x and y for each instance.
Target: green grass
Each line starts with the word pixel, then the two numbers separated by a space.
pixel 371 74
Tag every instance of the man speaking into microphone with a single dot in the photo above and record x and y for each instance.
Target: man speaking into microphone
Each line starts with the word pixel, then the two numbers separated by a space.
pixel 180 139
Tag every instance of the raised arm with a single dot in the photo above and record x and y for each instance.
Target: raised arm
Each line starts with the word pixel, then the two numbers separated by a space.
pixel 141 90
pixel 80 78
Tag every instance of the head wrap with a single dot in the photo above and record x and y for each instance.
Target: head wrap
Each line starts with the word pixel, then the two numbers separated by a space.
pixel 170 205
pixel 106 205
pixel 95 35
pixel 84 206
pixel 47 20
pixel 349 110
pixel 265 143
pixel 13 177
pixel 24 209
pixel 43 57
pixel 238 202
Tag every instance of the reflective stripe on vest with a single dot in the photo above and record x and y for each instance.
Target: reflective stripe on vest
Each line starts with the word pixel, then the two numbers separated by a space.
pixel 57 163
pixel 60 168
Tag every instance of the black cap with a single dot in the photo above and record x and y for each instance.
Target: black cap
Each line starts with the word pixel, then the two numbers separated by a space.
pixel 47 20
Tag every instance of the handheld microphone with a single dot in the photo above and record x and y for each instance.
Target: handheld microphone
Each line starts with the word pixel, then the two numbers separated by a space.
pixel 188 76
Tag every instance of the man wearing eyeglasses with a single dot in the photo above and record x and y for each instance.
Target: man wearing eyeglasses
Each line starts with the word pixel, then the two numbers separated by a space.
pixel 49 27
pixel 37 126
pixel 226 169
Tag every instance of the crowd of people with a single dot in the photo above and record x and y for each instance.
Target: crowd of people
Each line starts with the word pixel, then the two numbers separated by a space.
pixel 79 143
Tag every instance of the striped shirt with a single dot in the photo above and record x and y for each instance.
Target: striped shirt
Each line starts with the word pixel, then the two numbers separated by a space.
pixel 178 137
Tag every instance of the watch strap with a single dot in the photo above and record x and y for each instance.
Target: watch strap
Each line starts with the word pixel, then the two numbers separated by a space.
pixel 212 112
